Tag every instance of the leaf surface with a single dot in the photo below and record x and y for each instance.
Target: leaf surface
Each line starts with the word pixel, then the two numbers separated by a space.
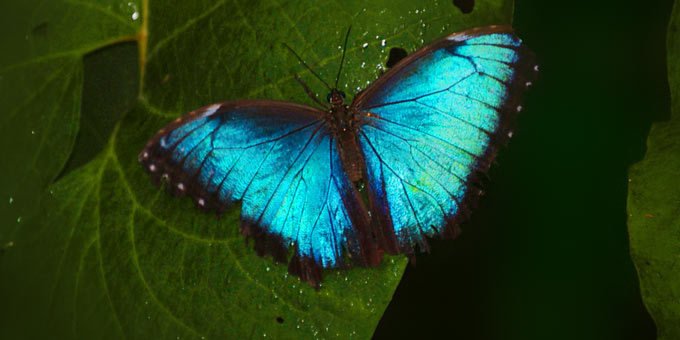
pixel 108 255
pixel 654 206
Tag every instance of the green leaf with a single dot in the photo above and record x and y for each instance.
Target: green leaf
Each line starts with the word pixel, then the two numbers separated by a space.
pixel 41 78
pixel 654 206
pixel 108 255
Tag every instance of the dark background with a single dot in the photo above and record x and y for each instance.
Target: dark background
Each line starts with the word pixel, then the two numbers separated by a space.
pixel 546 254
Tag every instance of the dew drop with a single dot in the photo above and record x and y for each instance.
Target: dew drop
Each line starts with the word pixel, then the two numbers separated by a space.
pixel 11 200
pixel 267 269
pixel 135 12
pixel 383 43
pixel 19 219
pixel 364 45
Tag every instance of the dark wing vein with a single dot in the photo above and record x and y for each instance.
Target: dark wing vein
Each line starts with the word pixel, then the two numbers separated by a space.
pixel 423 132
pixel 245 191
pixel 435 178
pixel 420 96
pixel 402 180
pixel 455 117
pixel 194 147
pixel 324 206
pixel 292 165
pixel 294 131
pixel 410 140
pixel 183 137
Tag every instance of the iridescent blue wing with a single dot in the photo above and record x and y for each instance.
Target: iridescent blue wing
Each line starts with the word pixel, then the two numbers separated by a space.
pixel 281 163
pixel 431 124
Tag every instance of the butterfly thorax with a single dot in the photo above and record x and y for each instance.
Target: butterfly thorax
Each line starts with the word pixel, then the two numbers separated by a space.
pixel 342 120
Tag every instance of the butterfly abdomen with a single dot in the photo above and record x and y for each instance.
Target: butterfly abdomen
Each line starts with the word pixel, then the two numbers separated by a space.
pixel 342 122
pixel 350 154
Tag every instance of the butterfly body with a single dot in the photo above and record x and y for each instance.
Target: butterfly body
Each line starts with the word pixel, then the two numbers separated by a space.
pixel 343 121
pixel 418 138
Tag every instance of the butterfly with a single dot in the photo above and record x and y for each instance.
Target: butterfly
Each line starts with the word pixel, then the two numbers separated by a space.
pixel 343 185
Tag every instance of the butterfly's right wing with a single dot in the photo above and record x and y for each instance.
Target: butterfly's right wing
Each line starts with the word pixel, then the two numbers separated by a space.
pixel 432 124
pixel 281 163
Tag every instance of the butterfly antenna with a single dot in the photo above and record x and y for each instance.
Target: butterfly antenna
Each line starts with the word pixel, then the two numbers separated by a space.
pixel 342 61
pixel 306 66
pixel 309 92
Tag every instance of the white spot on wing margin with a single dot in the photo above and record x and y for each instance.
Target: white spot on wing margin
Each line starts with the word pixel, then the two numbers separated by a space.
pixel 210 110
pixel 457 37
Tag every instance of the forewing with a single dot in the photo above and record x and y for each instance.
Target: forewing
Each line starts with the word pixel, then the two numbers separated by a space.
pixel 279 161
pixel 431 124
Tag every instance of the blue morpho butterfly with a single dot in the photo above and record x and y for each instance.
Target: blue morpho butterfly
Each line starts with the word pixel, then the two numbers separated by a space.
pixel 418 138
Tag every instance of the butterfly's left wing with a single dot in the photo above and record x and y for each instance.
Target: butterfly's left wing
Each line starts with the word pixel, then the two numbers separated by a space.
pixel 281 163
pixel 431 123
